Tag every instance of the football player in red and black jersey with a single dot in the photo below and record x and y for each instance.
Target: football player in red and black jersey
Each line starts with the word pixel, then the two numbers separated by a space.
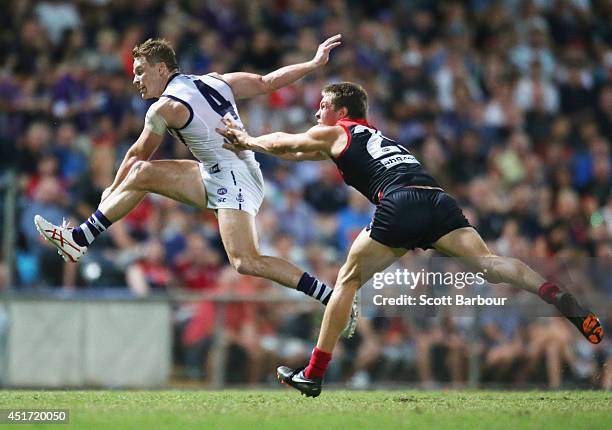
pixel 412 211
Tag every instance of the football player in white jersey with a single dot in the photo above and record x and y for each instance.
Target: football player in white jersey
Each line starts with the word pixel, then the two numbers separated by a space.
pixel 191 107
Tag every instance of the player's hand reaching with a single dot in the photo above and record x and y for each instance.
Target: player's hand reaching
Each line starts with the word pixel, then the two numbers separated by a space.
pixel 234 136
pixel 322 56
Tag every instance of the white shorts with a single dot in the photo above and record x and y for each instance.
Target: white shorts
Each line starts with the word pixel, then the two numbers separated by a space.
pixel 233 187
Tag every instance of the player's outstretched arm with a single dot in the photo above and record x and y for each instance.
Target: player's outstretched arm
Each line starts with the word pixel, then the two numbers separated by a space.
pixel 319 139
pixel 246 85
pixel 303 156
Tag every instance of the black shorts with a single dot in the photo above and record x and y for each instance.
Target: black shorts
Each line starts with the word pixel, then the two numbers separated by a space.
pixel 415 218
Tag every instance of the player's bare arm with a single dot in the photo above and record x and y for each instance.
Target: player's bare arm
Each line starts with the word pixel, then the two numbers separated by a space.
pixel 245 85
pixel 321 139
pixel 163 114
pixel 303 156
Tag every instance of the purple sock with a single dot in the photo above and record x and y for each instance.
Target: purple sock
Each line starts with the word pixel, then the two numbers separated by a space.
pixel 314 288
pixel 85 234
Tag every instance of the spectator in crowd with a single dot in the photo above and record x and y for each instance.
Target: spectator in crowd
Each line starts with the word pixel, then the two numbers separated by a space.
pixel 149 273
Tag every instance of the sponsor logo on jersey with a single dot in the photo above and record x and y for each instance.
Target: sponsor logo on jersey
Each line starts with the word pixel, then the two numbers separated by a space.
pixel 221 200
pixel 214 169
pixel 399 159
pixel 240 198
pixel 222 191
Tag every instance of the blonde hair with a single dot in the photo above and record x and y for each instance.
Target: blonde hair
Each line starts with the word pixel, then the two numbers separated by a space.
pixel 157 51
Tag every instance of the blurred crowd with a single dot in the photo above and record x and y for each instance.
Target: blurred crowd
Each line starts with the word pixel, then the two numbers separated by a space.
pixel 507 103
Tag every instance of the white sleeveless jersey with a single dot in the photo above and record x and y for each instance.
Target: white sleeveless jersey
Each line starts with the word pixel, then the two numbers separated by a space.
pixel 209 100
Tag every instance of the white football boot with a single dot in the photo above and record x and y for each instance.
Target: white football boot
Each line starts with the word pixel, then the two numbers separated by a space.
pixel 351 326
pixel 61 238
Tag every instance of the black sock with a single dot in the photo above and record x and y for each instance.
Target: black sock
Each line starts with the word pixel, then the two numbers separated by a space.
pixel 314 288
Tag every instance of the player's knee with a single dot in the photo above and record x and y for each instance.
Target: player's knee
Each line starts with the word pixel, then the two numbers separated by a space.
pixel 139 167
pixel 131 161
pixel 139 174
pixel 348 278
pixel 245 265
pixel 491 268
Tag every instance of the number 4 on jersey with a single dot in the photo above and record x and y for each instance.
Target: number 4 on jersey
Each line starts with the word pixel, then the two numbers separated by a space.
pixel 216 101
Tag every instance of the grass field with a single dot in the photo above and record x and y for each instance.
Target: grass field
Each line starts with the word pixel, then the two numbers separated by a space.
pixel 332 410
